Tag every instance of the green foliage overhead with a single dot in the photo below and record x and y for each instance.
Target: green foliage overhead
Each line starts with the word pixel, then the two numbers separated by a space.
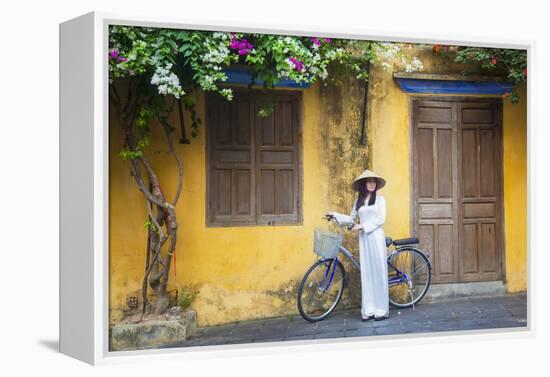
pixel 177 61
pixel 167 65
pixel 506 64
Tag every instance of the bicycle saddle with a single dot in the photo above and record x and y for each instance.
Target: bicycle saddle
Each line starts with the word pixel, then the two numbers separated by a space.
pixel 406 241
pixel 402 241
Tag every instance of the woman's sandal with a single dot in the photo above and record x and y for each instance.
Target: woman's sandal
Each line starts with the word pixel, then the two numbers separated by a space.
pixel 365 319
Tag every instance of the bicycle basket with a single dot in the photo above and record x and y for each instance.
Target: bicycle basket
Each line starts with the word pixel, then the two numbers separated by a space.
pixel 326 243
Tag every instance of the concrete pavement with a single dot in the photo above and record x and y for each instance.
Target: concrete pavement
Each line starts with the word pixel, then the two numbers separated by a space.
pixel 459 314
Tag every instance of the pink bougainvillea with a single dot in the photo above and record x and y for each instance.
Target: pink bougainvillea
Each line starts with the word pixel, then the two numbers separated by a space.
pixel 316 41
pixel 115 55
pixel 242 46
pixel 299 66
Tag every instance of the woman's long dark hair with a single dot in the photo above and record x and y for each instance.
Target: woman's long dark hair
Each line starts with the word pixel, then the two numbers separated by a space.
pixel 361 185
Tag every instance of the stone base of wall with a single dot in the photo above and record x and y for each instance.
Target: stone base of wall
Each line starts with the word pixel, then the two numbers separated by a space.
pixel 445 291
pixel 152 333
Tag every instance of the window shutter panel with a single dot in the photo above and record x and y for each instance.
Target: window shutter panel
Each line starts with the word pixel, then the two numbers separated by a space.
pixel 231 170
pixel 277 157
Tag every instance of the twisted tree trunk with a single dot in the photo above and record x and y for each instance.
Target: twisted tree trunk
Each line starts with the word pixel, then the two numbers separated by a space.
pixel 161 213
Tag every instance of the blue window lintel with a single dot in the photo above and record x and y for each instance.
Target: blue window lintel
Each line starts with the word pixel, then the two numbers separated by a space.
pixel 442 84
pixel 244 76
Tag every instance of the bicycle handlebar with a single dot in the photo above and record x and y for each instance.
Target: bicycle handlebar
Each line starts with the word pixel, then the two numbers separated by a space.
pixel 329 217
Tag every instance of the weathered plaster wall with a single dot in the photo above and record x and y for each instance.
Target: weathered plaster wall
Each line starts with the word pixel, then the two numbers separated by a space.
pixel 242 272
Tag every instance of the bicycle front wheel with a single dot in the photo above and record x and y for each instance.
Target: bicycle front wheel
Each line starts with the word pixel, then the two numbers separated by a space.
pixel 409 277
pixel 321 289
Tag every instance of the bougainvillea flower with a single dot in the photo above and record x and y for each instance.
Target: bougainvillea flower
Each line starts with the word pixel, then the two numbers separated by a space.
pixel 122 59
pixel 315 41
pixel 114 53
pixel 299 65
pixel 327 40
pixel 243 46
pixel 234 45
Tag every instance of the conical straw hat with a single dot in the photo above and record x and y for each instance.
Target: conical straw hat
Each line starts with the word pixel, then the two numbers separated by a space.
pixel 381 182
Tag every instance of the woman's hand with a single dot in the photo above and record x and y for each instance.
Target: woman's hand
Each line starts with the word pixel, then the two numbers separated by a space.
pixel 357 227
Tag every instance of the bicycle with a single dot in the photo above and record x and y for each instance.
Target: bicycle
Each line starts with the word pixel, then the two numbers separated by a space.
pixel 409 274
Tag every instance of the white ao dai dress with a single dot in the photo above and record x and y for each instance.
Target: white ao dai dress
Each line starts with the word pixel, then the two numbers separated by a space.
pixel 372 256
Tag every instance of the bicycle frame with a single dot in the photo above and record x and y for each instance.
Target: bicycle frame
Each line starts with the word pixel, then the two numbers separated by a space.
pixel 400 277
pixel 325 277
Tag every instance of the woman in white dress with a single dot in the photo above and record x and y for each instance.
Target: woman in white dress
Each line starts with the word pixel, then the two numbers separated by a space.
pixel 371 208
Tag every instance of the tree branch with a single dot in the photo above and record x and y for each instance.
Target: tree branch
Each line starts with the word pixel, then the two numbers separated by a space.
pixel 141 185
pixel 170 139
pixel 130 141
pixel 155 222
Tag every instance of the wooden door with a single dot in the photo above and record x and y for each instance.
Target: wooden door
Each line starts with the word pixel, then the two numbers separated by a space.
pixel 456 187
pixel 480 191
pixel 435 185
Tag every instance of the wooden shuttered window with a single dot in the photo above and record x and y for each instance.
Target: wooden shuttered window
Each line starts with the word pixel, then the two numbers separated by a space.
pixel 253 162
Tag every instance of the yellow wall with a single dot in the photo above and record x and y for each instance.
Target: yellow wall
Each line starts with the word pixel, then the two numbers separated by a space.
pixel 252 272
pixel 515 192
pixel 390 138
pixel 242 272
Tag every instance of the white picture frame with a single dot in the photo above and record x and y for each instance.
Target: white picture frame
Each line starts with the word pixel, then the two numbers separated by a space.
pixel 84 278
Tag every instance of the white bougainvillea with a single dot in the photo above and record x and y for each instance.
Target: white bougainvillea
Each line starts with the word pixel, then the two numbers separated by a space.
pixel 414 65
pixel 208 65
pixel 167 81
pixel 391 56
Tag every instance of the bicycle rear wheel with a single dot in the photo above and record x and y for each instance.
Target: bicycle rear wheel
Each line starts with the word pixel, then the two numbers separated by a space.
pixel 321 289
pixel 409 277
